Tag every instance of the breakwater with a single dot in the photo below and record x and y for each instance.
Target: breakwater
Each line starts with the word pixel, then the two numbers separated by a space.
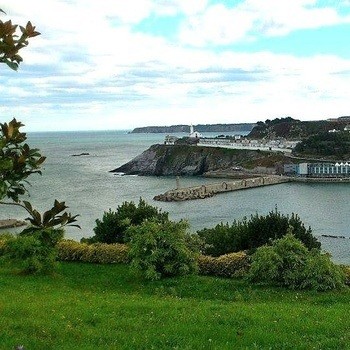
pixel 209 190
pixel 11 223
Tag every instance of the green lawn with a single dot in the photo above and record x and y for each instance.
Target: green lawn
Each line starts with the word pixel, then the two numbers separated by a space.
pixel 88 306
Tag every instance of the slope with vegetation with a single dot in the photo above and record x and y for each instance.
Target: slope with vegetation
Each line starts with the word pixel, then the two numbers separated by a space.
pixel 293 129
pixel 335 145
pixel 117 307
pixel 89 306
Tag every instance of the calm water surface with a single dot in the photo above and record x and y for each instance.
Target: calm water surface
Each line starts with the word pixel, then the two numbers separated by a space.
pixel 89 189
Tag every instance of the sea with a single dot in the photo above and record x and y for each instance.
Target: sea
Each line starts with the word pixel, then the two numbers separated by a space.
pixel 88 187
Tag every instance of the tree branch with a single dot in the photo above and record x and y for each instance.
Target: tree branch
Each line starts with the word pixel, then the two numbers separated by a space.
pixel 16 204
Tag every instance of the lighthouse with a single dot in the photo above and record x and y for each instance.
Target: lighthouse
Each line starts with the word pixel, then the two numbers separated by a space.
pixel 191 130
pixel 194 134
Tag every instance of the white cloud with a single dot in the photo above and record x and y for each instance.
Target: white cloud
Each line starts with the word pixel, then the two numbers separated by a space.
pixel 221 25
pixel 283 16
pixel 89 69
pixel 217 24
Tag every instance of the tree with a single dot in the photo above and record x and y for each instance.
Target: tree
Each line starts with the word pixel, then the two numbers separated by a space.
pixel 17 160
pixel 160 249
pixel 35 247
pixel 113 226
pixel 255 232
pixel 11 42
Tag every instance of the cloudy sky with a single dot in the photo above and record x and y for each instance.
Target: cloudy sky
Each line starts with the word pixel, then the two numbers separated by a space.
pixel 117 64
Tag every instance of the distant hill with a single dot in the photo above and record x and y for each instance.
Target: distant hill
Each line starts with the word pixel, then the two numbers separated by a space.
pixel 293 129
pixel 200 128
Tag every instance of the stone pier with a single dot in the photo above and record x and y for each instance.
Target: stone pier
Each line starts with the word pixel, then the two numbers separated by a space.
pixel 209 190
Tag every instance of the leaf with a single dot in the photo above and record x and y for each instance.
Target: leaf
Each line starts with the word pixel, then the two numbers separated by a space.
pixel 12 65
pixel 47 216
pixel 28 206
pixel 37 217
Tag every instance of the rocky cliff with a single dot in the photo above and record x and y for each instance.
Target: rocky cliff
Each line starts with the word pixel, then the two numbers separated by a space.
pixel 188 160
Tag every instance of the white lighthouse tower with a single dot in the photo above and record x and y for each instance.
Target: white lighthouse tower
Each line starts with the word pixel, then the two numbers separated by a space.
pixel 194 134
pixel 191 130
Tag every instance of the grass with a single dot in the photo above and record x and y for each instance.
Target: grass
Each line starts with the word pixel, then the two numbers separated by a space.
pixel 88 306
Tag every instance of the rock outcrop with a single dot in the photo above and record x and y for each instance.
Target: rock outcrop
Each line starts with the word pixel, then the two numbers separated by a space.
pixel 186 160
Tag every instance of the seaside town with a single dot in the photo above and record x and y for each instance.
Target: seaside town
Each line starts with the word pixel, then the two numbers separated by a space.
pixel 320 169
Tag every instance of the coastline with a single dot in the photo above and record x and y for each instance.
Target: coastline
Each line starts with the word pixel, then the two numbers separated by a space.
pixel 11 223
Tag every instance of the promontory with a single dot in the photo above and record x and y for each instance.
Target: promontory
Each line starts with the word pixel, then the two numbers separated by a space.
pixel 196 160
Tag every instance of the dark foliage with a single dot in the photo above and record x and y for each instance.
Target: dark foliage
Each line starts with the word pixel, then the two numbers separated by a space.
pixel 34 251
pixel 112 228
pixel 160 249
pixel 11 42
pixel 287 262
pixel 336 144
pixel 255 232
pixel 290 128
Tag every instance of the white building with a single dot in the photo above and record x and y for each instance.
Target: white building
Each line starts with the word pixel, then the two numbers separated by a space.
pixel 194 134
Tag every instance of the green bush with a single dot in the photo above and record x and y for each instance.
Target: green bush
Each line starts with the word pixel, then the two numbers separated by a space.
pixel 321 273
pixel 346 270
pixel 253 233
pixel 228 265
pixel 33 252
pixel 223 238
pixel 287 262
pixel 4 237
pixel 160 249
pixel 113 226
pixel 102 253
pixel 69 250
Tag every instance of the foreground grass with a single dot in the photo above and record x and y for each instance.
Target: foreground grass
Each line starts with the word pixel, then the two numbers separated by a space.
pixel 89 306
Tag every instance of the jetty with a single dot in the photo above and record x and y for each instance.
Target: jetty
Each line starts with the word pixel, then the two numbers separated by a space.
pixel 209 190
pixel 11 223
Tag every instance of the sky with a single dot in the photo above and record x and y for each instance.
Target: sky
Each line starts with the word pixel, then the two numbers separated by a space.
pixel 117 64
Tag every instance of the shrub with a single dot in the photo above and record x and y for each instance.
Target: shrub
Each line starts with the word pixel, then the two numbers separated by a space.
pixel 255 232
pixel 113 226
pixel 159 249
pixel 94 253
pixel 69 250
pixel 321 273
pixel 346 271
pixel 4 237
pixel 34 252
pixel 110 229
pixel 228 265
pixel 289 263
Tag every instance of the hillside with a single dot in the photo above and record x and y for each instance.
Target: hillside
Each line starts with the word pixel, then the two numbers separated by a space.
pixel 200 128
pixel 195 160
pixel 293 129
pixel 328 145
pixel 95 306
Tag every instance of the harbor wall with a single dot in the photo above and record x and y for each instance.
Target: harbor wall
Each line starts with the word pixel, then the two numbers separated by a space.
pixel 209 190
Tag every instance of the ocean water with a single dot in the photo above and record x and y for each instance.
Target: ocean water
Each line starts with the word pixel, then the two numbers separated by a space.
pixel 89 189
